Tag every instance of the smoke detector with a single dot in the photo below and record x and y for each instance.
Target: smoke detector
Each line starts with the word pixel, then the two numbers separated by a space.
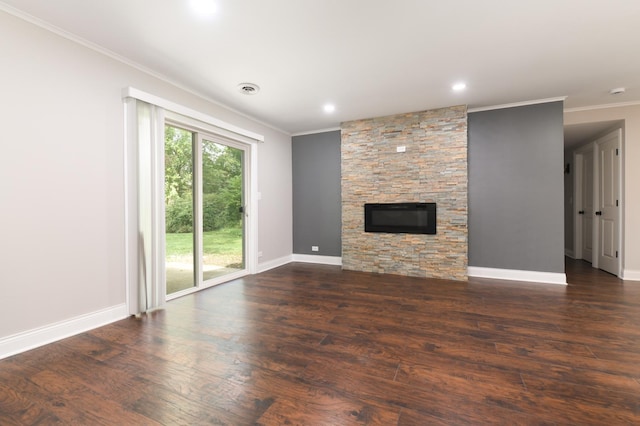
pixel 617 91
pixel 248 88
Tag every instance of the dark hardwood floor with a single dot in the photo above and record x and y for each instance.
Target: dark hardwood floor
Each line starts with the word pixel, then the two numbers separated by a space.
pixel 313 345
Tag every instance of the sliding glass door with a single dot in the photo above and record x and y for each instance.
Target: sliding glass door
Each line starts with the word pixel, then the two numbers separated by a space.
pixel 222 209
pixel 179 218
pixel 204 209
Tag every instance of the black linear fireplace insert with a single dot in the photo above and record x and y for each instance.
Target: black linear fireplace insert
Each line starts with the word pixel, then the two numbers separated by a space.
pixel 407 218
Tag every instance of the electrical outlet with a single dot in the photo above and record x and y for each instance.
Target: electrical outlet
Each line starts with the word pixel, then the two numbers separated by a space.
pixel 315 248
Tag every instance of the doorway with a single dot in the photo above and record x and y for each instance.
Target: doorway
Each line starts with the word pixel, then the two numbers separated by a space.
pixel 598 206
pixel 204 191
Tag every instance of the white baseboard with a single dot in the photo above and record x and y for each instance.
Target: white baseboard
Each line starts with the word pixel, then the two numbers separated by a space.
pixel 630 275
pixel 306 258
pixel 265 266
pixel 324 260
pixel 22 342
pixel 517 275
pixel 569 253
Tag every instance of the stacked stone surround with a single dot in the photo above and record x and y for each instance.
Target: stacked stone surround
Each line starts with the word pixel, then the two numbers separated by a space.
pixel 433 169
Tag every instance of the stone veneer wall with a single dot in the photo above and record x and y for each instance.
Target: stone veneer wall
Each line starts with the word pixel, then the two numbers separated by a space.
pixel 433 169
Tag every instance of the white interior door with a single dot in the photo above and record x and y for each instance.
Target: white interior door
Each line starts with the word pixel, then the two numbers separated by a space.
pixel 607 215
pixel 587 210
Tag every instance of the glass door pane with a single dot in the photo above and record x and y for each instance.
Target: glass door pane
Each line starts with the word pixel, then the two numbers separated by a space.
pixel 222 209
pixel 179 202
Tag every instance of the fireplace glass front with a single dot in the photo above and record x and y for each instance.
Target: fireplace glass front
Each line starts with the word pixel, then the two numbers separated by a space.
pixel 408 218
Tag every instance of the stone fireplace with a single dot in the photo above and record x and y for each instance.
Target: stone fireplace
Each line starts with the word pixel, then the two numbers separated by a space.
pixel 418 157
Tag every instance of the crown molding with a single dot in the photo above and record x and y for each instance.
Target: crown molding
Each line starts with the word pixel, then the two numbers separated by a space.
pixel 313 132
pixel 603 106
pixel 518 104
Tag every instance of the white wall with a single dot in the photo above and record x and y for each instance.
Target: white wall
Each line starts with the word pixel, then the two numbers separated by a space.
pixel 631 201
pixel 61 176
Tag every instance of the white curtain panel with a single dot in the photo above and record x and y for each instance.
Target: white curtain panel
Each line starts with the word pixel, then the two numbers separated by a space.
pixel 144 178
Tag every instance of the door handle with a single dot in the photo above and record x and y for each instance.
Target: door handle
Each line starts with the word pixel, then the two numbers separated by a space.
pixel 598 213
pixel 581 212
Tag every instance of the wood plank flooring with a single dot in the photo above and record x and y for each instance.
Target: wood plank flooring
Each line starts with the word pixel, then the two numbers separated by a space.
pixel 313 345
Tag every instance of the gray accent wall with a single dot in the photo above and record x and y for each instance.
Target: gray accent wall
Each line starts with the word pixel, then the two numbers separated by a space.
pixel 316 194
pixel 516 188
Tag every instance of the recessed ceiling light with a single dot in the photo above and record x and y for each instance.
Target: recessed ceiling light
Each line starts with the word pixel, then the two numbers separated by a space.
pixel 204 8
pixel 248 88
pixel 329 108
pixel 458 87
pixel 617 91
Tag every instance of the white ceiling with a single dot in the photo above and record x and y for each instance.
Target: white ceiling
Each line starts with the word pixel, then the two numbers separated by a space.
pixel 368 57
